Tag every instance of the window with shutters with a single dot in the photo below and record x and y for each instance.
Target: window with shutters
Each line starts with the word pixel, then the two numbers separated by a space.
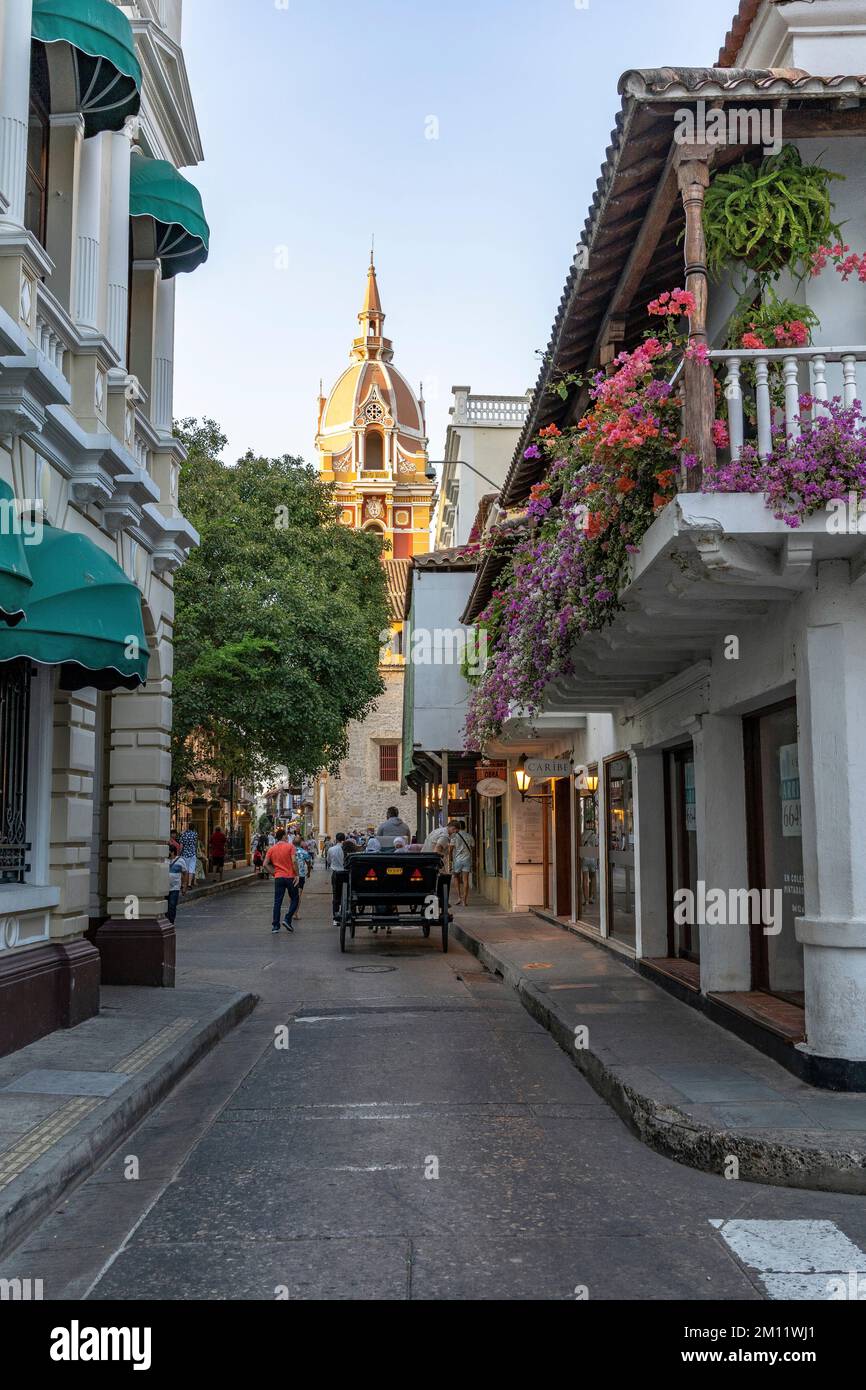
pixel 389 758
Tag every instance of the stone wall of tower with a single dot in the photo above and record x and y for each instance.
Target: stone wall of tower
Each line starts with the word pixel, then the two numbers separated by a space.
pixel 357 798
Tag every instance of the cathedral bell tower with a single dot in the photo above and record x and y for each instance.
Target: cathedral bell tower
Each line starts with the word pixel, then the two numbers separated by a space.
pixel 372 441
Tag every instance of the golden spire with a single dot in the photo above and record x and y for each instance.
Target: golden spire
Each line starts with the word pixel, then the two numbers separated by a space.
pixel 372 302
pixel 372 344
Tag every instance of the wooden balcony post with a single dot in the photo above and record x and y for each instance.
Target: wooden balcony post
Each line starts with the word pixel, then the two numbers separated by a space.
pixel 693 175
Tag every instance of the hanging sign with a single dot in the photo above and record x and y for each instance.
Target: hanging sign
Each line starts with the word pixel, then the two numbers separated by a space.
pixel 492 786
pixel 789 790
pixel 543 768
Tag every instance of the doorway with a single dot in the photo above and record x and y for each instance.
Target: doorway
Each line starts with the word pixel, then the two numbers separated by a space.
pixel 588 905
pixel 619 800
pixel 684 940
pixel 775 841
pixel 562 831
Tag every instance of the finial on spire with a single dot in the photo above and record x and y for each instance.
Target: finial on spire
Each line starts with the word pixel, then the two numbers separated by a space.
pixel 373 249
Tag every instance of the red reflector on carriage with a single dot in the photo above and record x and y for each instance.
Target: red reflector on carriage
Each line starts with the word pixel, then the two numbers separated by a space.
pixel 371 875
pixel 417 876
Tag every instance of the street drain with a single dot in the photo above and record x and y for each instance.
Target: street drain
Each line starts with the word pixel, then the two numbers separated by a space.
pixel 372 969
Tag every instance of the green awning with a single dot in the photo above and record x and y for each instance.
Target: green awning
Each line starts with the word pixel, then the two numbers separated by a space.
pixel 15 578
pixel 82 614
pixel 103 46
pixel 157 190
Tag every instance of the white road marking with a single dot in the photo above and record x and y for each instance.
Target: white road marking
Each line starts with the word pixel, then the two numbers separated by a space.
pixel 800 1260
pixel 326 1018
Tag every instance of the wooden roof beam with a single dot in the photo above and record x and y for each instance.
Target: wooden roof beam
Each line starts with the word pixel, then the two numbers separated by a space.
pixel 654 223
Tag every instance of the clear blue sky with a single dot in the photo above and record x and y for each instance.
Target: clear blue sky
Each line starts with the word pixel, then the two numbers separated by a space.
pixel 314 117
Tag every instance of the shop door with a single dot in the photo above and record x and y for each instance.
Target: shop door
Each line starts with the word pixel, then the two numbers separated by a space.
pixel 622 921
pixel 562 824
pixel 682 847
pixel 775 848
pixel 588 895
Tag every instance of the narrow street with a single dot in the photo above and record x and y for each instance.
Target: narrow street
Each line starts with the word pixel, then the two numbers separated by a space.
pixel 419 1137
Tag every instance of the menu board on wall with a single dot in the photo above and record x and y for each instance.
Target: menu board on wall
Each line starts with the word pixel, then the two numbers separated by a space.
pixel 789 789
pixel 690 806
pixel 527 835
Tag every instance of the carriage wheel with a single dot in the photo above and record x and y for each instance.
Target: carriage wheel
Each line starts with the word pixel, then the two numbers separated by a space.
pixel 344 917
pixel 444 917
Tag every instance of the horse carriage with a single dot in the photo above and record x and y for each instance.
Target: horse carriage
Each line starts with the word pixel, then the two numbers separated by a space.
pixel 394 890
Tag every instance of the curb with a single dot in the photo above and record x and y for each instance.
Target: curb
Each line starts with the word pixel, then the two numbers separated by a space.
pixel 666 1129
pixel 33 1194
pixel 208 890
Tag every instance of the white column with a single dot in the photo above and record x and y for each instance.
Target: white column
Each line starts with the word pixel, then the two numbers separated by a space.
pixel 831 708
pixel 16 18
pixel 118 241
pixel 87 262
pixel 163 363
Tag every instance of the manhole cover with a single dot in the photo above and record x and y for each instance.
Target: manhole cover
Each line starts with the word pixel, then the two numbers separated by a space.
pixel 371 969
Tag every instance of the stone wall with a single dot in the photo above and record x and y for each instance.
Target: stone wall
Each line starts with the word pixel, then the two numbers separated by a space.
pixel 356 797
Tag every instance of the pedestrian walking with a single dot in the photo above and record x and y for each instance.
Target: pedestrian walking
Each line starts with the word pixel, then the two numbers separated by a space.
pixel 176 870
pixel 462 844
pixel 217 849
pixel 282 862
pixel 438 842
pixel 335 862
pixel 189 854
pixel 304 859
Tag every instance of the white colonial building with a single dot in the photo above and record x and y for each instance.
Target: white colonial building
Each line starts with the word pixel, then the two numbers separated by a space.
pixel 96 221
pixel 479 443
pixel 712 737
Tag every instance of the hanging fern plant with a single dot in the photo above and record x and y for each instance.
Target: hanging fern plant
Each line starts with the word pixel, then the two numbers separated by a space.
pixel 771 215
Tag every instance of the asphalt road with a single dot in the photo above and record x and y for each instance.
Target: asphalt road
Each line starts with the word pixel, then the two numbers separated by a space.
pixel 391 1124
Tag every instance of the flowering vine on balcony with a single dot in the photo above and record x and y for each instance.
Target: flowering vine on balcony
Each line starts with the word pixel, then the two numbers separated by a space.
pixel 824 463
pixel 607 479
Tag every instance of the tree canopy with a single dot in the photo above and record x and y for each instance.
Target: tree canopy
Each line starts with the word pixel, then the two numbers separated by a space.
pixel 279 616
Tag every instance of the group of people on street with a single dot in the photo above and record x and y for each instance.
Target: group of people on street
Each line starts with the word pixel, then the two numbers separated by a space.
pixel 185 866
pixel 290 860
pixel 453 843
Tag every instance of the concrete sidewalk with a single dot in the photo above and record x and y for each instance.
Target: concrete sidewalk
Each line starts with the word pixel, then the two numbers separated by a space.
pixel 685 1086
pixel 67 1100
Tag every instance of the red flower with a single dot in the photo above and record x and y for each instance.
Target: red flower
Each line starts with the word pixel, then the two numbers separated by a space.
pixel 550 432
pixel 625 484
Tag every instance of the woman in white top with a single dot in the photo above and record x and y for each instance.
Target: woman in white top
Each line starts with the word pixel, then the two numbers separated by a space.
pixel 461 857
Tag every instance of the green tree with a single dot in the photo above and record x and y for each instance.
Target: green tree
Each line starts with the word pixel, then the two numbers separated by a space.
pixel 278 619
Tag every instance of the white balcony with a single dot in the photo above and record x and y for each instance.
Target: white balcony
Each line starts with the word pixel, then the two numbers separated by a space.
pixel 489 412
pixel 817 371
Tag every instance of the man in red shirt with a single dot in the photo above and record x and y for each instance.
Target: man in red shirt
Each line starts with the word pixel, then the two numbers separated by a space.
pixel 217 853
pixel 282 862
